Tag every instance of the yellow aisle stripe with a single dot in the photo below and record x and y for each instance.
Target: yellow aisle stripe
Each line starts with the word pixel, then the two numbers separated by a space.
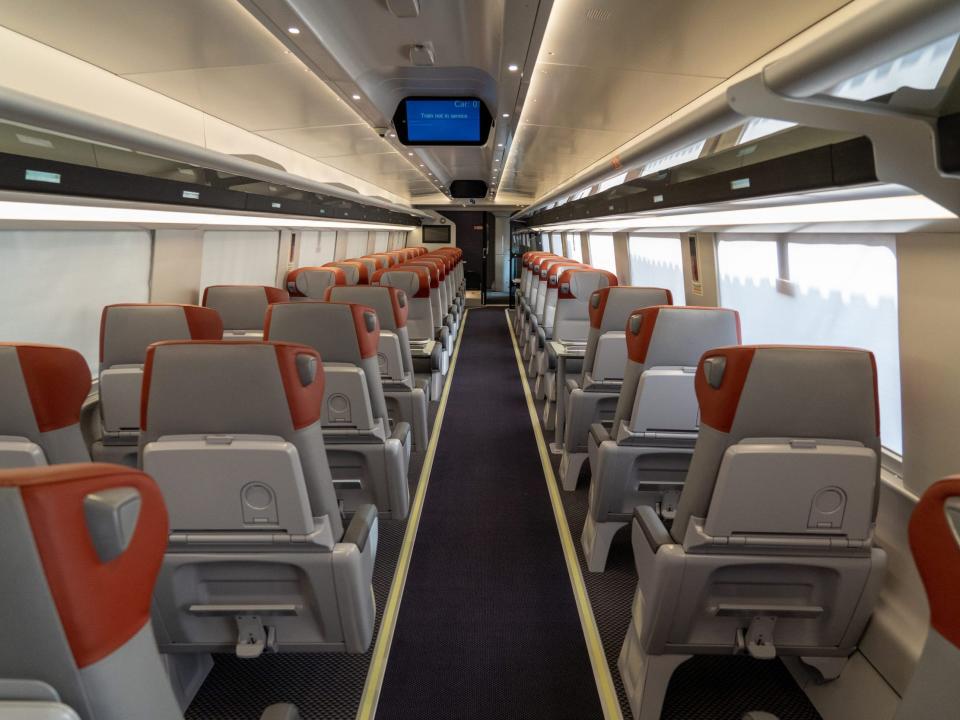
pixel 381 650
pixel 601 671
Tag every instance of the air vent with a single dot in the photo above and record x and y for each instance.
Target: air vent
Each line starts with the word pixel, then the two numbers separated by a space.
pixel 404 8
pixel 423 55
pixel 599 14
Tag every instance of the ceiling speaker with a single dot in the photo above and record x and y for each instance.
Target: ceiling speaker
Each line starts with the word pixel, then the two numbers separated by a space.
pixel 468 189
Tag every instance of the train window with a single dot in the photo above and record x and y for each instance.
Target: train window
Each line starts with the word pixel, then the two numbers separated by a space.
pixel 381 239
pixel 839 290
pixel 241 258
pixel 919 69
pixel 757 128
pixel 316 247
pixel 601 252
pixel 356 243
pixel 574 249
pixel 612 182
pixel 677 157
pixel 556 244
pixel 64 308
pixel 657 262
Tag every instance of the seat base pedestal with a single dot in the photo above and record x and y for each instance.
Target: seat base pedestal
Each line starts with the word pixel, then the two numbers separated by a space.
pixel 570 466
pixel 595 540
pixel 645 677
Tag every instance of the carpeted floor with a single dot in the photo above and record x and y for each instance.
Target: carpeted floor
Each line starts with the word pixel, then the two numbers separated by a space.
pixel 488 627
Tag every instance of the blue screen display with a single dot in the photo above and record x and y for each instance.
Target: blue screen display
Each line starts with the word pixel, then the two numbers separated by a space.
pixel 443 121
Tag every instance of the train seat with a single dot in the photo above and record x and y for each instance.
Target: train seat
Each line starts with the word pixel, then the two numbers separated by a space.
pixel 85 543
pixel 570 328
pixel 43 389
pixel 523 295
pixel 538 304
pixel 312 282
pixel 795 431
pixel 642 458
pixel 242 308
pixel 442 316
pixel 935 542
pixel 542 329
pixel 533 290
pixel 125 332
pixel 367 457
pixel 592 397
pixel 406 395
pixel 354 271
pixel 451 269
pixel 448 297
pixel 429 337
pixel 258 558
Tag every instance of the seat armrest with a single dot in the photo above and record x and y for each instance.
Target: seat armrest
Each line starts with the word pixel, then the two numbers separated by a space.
pixel 599 432
pixel 281 711
pixel 573 384
pixel 652 526
pixel 400 431
pixel 362 523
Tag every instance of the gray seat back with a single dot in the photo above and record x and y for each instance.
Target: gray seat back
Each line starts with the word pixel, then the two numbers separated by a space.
pixel 82 545
pixel 415 283
pixel 125 332
pixel 392 308
pixel 43 389
pixel 817 406
pixel 312 282
pixel 576 285
pixel 667 336
pixel 341 332
pixel 272 389
pixel 242 307
pixel 609 309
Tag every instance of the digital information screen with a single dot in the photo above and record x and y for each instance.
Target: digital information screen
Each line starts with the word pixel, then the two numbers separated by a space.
pixel 442 121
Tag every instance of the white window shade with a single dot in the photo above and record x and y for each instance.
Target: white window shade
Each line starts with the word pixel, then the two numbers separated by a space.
pixel 658 262
pixel 842 290
pixel 381 241
pixel 239 258
pixel 602 255
pixel 556 242
pixel 93 269
pixel 356 243
pixel 316 247
pixel 574 248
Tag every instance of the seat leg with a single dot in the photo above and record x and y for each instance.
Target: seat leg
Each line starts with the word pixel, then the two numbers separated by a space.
pixel 186 672
pixel 645 677
pixel 436 386
pixel 570 466
pixel 548 414
pixel 595 540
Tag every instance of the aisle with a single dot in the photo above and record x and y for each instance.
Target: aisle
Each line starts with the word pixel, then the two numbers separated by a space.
pixel 488 626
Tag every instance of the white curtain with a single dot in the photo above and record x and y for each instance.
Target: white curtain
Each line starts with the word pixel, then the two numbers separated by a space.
pixel 247 257
pixel 54 284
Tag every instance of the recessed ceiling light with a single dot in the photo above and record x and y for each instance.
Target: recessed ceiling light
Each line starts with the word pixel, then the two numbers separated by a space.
pixel 293 30
pixel 410 154
pixel 513 68
pixel 506 114
pixel 499 144
pixel 355 96
pixel 421 164
pixel 391 134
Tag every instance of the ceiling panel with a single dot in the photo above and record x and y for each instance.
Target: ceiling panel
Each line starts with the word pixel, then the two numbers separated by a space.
pixel 327 142
pixel 546 155
pixel 581 97
pixel 137 36
pixel 680 37
pixel 255 97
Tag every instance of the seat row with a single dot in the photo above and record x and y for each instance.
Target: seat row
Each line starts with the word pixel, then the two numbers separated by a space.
pixel 274 456
pixel 750 477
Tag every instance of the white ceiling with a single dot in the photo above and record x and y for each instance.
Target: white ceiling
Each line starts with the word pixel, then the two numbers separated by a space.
pixel 610 69
pixel 606 71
